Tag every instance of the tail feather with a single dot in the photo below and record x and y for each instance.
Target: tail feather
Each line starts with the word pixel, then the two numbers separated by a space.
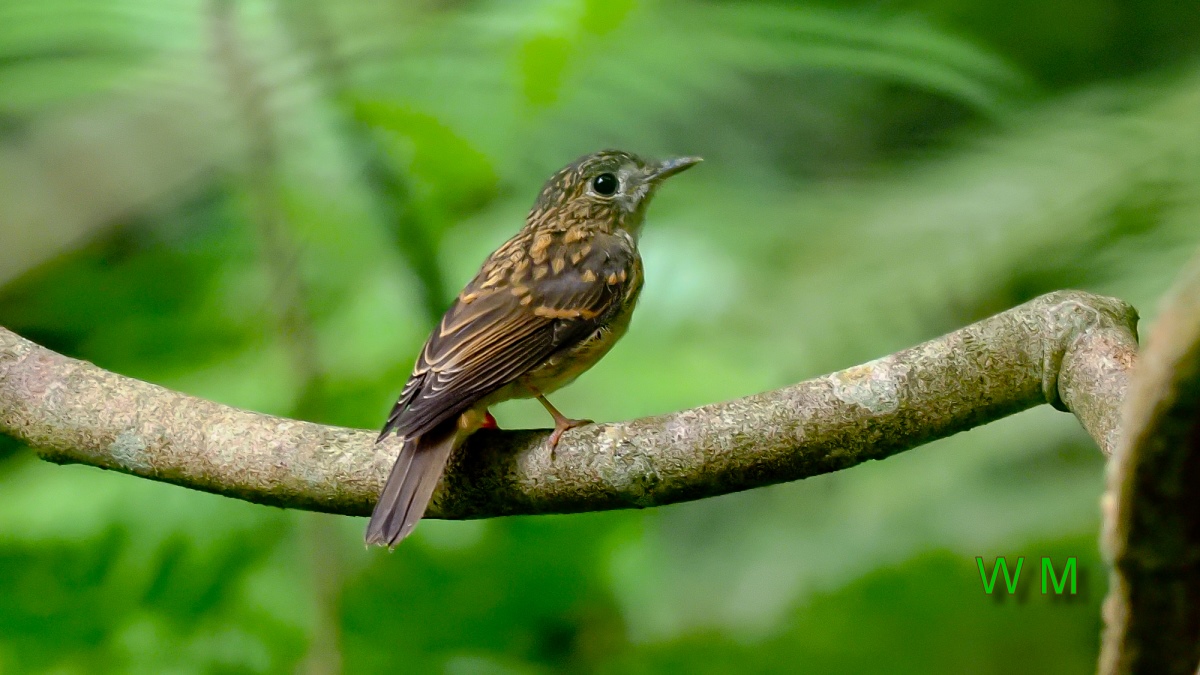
pixel 410 485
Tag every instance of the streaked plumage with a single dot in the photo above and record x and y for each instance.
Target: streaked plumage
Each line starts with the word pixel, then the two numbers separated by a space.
pixel 544 308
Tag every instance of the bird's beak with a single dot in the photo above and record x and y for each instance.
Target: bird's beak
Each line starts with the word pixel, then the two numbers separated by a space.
pixel 671 167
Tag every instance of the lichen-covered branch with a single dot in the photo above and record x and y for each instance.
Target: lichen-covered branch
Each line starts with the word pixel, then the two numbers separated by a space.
pixel 1071 349
pixel 1152 516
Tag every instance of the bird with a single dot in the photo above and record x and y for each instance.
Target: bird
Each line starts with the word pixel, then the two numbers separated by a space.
pixel 543 308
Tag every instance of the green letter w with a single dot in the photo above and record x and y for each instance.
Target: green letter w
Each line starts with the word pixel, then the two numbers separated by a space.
pixel 989 585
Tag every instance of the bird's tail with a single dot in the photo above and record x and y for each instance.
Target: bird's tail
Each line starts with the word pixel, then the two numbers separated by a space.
pixel 410 485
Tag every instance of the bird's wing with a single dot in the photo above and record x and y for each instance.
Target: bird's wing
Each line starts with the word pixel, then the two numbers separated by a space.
pixel 502 326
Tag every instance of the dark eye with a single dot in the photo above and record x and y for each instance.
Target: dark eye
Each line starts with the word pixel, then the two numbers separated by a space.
pixel 605 184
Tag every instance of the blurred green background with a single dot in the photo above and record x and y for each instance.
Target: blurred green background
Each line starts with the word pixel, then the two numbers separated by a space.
pixel 268 202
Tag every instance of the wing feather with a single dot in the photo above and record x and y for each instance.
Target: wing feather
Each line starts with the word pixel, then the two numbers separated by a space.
pixel 483 344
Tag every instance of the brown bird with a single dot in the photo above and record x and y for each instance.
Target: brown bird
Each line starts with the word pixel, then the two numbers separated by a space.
pixel 544 308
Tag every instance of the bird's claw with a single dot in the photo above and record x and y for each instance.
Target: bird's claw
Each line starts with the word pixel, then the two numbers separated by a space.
pixel 561 426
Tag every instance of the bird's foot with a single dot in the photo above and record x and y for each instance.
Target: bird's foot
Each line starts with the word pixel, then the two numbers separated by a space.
pixel 561 426
pixel 561 423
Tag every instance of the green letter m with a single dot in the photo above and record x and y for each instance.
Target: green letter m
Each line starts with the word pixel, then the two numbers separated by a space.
pixel 1010 582
pixel 1048 571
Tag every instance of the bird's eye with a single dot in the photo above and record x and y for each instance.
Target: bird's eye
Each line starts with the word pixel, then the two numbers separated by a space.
pixel 605 184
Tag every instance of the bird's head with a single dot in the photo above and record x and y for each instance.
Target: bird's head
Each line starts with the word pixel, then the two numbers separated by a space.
pixel 609 189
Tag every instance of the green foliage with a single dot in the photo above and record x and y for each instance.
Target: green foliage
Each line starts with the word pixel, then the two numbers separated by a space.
pixel 875 175
pixel 455 178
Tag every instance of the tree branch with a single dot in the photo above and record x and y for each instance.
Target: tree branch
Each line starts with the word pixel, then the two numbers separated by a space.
pixel 1152 519
pixel 1071 349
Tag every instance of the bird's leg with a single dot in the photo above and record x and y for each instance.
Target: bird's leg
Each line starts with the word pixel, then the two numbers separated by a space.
pixel 561 423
